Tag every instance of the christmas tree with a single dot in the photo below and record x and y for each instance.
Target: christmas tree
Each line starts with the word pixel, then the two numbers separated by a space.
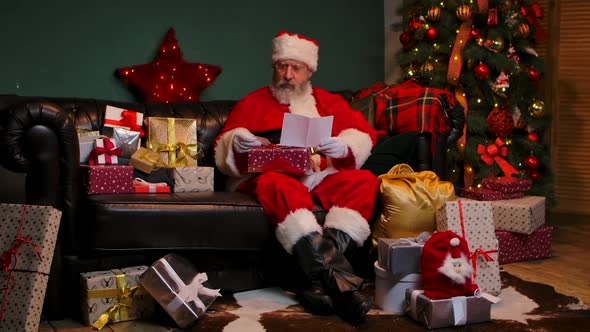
pixel 484 52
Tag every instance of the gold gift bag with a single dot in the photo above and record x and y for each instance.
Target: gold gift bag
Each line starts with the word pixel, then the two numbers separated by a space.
pixel 410 200
pixel 175 139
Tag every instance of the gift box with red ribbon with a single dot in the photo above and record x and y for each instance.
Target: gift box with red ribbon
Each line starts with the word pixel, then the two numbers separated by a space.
pixel 474 220
pixel 515 247
pixel 285 159
pixel 142 186
pixel 107 179
pixel 104 152
pixel 116 117
pixel 28 234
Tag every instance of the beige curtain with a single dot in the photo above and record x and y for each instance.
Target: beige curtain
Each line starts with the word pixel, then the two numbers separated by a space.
pixel 569 91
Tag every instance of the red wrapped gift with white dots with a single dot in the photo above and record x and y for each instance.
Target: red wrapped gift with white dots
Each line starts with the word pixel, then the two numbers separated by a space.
pixel 515 247
pixel 290 160
pixel 107 179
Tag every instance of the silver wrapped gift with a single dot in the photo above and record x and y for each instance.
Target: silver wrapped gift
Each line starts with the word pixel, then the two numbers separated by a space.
pixel 179 289
pixel 128 141
pixel 456 311
pixel 390 290
pixel 401 256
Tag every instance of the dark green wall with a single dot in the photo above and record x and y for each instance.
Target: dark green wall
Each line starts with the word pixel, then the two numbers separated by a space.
pixel 71 48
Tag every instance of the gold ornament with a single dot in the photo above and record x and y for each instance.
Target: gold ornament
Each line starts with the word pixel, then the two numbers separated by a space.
pixel 496 45
pixel 427 69
pixel 463 12
pixel 537 108
pixel 433 13
pixel 522 31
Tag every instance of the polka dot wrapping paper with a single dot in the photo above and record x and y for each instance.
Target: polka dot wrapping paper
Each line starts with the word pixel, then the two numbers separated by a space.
pixel 291 160
pixel 23 281
pixel 521 215
pixel 515 247
pixel 107 179
pixel 474 220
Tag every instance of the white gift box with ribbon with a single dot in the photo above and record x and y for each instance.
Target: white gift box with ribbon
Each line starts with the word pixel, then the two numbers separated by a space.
pixel 179 289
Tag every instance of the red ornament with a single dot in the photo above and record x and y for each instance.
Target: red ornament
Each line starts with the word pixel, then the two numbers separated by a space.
pixel 474 34
pixel 431 34
pixel 414 24
pixel 406 39
pixel 493 17
pixel 533 137
pixel 534 76
pixel 500 122
pixel 169 78
pixel 481 71
pixel 531 163
pixel 534 175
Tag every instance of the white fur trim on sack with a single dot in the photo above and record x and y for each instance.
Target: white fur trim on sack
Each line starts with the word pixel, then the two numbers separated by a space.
pixel 296 225
pixel 360 144
pixel 350 222
pixel 292 46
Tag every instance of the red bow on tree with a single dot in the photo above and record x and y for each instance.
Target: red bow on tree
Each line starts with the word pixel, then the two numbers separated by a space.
pixel 532 14
pixel 495 152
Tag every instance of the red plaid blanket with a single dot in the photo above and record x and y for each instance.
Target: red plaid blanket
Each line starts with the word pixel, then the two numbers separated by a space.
pixel 409 107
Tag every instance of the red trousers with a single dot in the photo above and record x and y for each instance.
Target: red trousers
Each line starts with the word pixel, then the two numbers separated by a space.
pixel 280 194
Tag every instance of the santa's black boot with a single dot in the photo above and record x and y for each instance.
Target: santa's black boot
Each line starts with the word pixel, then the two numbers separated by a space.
pixel 306 252
pixel 349 302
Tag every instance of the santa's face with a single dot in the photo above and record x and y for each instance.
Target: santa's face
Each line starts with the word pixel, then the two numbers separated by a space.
pixel 457 269
pixel 290 80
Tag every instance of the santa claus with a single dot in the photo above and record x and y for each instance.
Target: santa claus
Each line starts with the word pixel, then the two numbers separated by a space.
pixel 336 183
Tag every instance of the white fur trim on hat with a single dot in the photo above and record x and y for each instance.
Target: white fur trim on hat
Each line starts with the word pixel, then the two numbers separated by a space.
pixel 360 144
pixel 295 47
pixel 296 225
pixel 350 222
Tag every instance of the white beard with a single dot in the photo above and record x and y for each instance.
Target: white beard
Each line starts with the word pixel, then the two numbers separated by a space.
pixel 299 99
pixel 457 269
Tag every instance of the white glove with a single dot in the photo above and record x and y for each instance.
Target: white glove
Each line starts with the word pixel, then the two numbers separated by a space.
pixel 244 142
pixel 333 147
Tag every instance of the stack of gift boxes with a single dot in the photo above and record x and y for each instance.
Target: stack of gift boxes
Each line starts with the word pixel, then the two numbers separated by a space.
pixel 501 225
pixel 116 161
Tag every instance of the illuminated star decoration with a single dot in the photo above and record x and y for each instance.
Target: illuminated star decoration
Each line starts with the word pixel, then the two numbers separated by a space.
pixel 169 78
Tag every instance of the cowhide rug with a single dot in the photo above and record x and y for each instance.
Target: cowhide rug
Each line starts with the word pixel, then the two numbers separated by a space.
pixel 525 306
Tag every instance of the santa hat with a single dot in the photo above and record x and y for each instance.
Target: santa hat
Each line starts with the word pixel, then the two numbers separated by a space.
pixel 292 46
pixel 439 247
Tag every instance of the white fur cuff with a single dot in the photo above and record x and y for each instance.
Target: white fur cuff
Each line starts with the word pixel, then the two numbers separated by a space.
pixel 350 222
pixel 296 225
pixel 360 144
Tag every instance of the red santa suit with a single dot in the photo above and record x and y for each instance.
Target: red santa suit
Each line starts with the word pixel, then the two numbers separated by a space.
pixel 345 191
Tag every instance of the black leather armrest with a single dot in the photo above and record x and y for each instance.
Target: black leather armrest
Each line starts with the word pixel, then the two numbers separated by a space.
pixel 39 138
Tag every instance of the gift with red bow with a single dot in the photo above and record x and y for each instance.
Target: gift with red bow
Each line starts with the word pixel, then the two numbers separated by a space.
pixel 104 152
pixel 116 117
pixel 27 244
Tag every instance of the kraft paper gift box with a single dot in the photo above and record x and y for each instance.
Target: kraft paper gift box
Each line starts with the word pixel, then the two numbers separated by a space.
pixel 192 179
pixel 474 220
pixel 179 289
pixel 456 311
pixel 116 117
pixel 175 139
pixel 390 289
pixel 515 247
pixel 114 296
pixel 107 179
pixel 87 132
pixel 142 186
pixel 521 215
pixel 145 160
pixel 290 160
pixel 24 282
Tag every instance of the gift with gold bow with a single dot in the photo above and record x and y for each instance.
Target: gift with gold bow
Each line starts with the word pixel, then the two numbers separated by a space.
pixel 174 282
pixel 28 234
pixel 114 296
pixel 146 160
pixel 175 139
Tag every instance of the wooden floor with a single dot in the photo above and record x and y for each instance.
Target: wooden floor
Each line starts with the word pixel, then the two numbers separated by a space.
pixel 567 271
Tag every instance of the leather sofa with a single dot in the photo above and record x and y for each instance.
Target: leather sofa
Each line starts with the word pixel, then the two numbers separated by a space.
pixel 225 234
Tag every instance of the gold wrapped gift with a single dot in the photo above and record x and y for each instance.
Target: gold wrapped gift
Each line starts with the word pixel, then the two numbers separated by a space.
pixel 410 200
pixel 145 160
pixel 175 139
